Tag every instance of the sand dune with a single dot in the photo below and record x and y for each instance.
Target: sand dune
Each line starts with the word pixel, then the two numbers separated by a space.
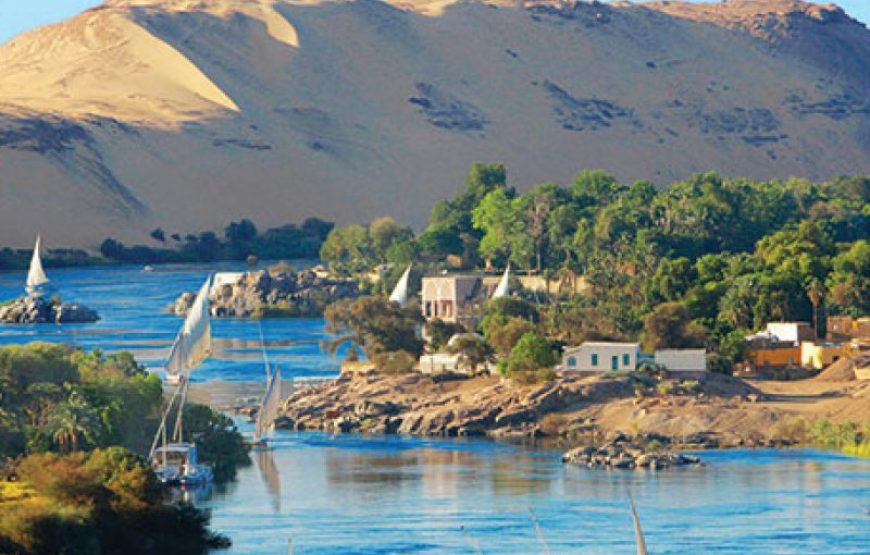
pixel 184 114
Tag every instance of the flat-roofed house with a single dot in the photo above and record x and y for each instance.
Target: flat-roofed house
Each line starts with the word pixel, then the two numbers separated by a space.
pixel 601 356
pixel 791 332
pixel 685 362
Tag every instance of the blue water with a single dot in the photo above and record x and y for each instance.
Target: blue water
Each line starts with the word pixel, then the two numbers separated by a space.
pixel 349 494
pixel 353 494
pixel 133 307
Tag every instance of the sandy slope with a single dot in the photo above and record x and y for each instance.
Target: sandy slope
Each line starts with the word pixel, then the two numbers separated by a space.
pixel 185 114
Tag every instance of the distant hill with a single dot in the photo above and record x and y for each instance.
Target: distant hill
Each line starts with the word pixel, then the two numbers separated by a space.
pixel 186 114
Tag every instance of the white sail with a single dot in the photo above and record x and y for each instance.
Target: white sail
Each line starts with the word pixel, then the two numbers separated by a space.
pixel 503 289
pixel 269 406
pixel 638 533
pixel 400 293
pixel 193 343
pixel 36 275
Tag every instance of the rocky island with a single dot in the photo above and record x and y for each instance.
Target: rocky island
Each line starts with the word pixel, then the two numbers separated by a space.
pixel 278 292
pixel 597 410
pixel 39 310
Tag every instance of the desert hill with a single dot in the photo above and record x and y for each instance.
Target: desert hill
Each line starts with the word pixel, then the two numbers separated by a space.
pixel 185 114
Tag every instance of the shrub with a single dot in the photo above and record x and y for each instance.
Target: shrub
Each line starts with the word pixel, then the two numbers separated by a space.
pixel 665 388
pixel 395 362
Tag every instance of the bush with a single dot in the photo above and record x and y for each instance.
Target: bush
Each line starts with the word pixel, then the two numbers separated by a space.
pixel 665 388
pixel 107 501
pixel 218 441
pixel 396 362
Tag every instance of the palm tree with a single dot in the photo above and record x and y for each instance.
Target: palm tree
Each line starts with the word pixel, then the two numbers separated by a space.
pixel 71 421
pixel 816 293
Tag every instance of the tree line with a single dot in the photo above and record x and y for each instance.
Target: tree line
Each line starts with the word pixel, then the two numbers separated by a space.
pixel 700 262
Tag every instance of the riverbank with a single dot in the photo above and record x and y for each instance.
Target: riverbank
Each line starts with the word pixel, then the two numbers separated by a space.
pixel 720 411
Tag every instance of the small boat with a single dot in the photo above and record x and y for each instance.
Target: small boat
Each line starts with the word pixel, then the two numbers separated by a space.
pixel 37 281
pixel 178 465
pixel 148 268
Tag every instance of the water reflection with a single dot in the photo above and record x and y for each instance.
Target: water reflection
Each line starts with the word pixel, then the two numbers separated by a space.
pixel 350 494
pixel 269 473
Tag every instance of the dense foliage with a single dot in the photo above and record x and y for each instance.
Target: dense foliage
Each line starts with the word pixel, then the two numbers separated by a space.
pixel 700 262
pixel 101 502
pixel 241 239
pixel 70 425
pixel 57 398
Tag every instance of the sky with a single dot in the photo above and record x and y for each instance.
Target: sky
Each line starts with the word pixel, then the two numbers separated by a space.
pixel 17 16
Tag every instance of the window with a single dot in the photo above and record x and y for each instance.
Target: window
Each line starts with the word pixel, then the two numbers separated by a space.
pixel 626 359
pixel 594 359
pixel 572 361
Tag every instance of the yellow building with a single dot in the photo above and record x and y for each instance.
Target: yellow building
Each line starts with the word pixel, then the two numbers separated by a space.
pixel 821 355
pixel 773 356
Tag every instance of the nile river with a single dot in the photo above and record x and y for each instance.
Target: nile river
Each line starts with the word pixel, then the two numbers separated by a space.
pixel 353 494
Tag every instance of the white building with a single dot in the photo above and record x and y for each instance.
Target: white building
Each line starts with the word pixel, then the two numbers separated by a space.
pixel 786 332
pixel 601 356
pixel 440 363
pixel 684 361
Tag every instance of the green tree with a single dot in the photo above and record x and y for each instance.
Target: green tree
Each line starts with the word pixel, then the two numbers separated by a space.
pixel 500 222
pixel 375 325
pixel 348 250
pixel 503 332
pixel 473 351
pixel 532 352
pixel 669 326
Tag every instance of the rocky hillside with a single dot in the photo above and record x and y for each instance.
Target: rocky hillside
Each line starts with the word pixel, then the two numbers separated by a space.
pixel 185 114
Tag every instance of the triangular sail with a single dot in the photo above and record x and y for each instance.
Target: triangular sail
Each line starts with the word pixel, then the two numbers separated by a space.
pixel 638 533
pixel 400 292
pixel 503 289
pixel 36 275
pixel 193 343
pixel 270 405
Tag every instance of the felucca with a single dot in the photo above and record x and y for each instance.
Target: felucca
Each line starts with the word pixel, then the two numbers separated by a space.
pixel 270 403
pixel 176 462
pixel 36 278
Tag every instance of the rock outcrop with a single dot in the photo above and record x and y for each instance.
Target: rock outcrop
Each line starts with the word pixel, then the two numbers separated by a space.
pixel 629 453
pixel 39 310
pixel 425 405
pixel 273 294
pixel 720 411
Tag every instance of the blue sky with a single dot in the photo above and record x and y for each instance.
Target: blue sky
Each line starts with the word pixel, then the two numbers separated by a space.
pixel 26 14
